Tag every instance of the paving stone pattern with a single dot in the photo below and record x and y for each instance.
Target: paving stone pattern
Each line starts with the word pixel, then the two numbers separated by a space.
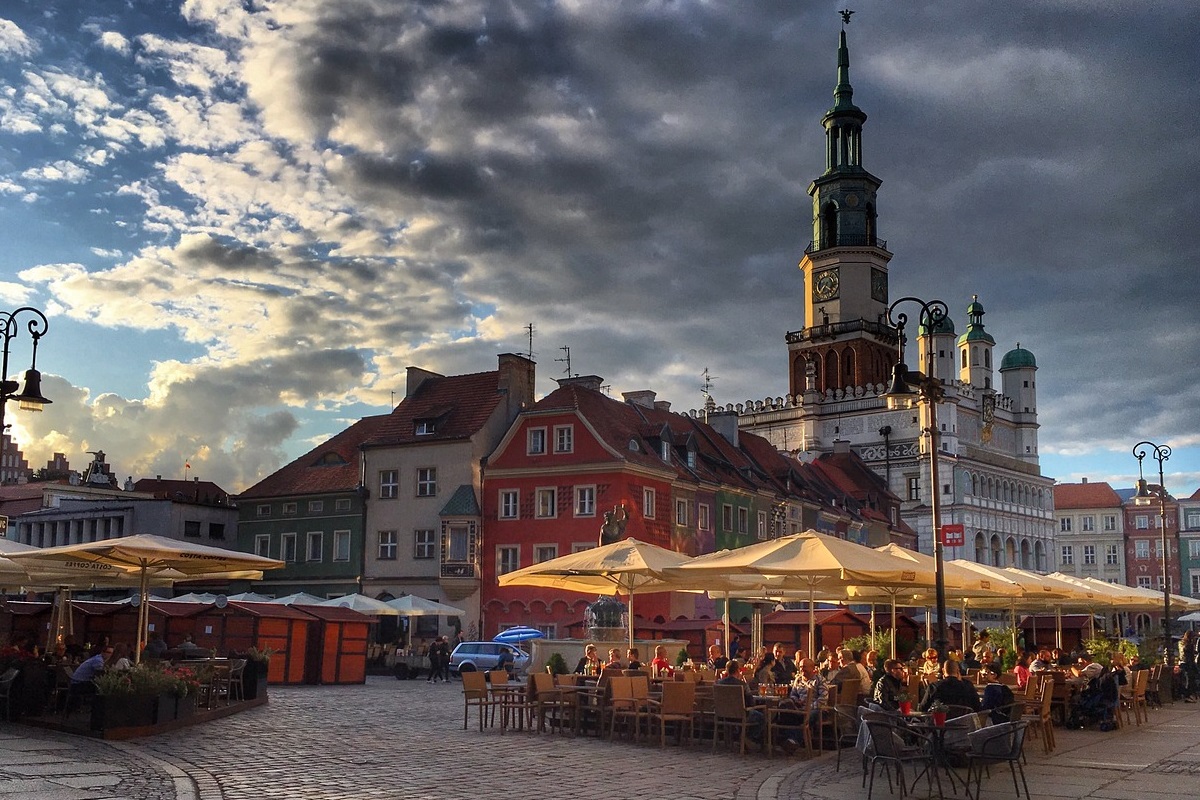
pixel 38 764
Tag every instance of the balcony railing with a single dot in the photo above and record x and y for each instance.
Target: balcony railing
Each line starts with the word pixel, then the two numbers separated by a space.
pixel 459 570
pixel 847 240
pixel 831 329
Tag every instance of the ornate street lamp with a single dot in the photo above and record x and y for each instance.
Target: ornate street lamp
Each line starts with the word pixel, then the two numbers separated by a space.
pixel 30 397
pixel 909 386
pixel 1160 453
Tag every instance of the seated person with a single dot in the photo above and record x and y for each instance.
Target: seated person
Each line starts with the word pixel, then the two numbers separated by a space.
pixel 589 664
pixel 1043 662
pixel 808 695
pixel 851 676
pixel 930 666
pixel 716 659
pixel 784 668
pixel 764 670
pixel 998 699
pixel 120 657
pixel 81 679
pixel 659 665
pixel 155 646
pixel 888 688
pixel 730 677
pixel 632 655
pixel 614 659
pixel 1084 670
pixel 505 660
pixel 952 690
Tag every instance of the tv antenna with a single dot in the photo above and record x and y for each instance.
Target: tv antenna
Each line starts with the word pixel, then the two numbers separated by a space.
pixel 567 360
pixel 529 332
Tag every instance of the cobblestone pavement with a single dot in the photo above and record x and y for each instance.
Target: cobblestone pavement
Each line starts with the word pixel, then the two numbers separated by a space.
pixel 404 740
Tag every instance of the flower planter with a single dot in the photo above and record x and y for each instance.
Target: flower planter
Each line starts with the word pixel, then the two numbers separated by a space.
pixel 254 679
pixel 185 706
pixel 165 709
pixel 905 707
pixel 123 711
pixel 939 718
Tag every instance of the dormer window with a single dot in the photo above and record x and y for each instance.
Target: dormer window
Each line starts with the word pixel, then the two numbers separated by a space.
pixel 426 427
pixel 665 450
pixel 691 459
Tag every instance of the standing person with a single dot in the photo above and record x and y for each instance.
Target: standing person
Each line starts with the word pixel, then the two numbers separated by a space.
pixel 1187 666
pixel 439 660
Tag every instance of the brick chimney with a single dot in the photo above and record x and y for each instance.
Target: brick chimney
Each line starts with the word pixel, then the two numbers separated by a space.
pixel 593 382
pixel 517 375
pixel 643 398
pixel 726 424
pixel 415 377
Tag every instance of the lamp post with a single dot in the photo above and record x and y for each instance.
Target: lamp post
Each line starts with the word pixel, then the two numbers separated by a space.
pixel 1160 453
pixel 30 398
pixel 924 387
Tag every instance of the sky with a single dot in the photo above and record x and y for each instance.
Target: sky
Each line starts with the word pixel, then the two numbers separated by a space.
pixel 245 219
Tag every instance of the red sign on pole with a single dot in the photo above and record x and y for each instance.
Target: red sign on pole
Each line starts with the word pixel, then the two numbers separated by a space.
pixel 953 535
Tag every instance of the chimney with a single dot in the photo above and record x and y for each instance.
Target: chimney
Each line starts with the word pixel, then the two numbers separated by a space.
pixel 662 405
pixel 643 398
pixel 593 382
pixel 158 477
pixel 415 377
pixel 516 380
pixel 726 424
pixel 1083 480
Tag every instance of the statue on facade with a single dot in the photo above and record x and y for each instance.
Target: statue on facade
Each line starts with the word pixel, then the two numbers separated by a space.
pixel 613 529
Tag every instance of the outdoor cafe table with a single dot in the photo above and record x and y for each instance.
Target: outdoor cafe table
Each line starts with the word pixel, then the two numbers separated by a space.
pixel 922 723
pixel 511 698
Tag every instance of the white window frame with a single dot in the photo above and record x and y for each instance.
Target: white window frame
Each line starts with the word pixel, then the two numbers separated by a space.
pixel 1141 522
pixel 509 504
pixel 762 525
pixel 389 484
pixel 1143 581
pixel 585 501
pixel 681 509
pixel 503 552
pixel 1193 548
pixel 1112 555
pixel 1089 554
pixel 1141 548
pixel 316 506
pixel 1195 585
pixel 287 547
pixel 425 427
pixel 564 438
pixel 535 441
pixel 649 501
pixel 546 505
pixel 341 546
pixel 319 538
pixel 263 510
pixel 1066 555
pixel 424 543
pixel 341 504
pixel 1087 523
pixel 743 520
pixel 727 517
pixel 1064 524
pixel 914 487
pixel 704 517
pixel 544 552
pixel 289 509
pixel 426 481
pixel 387 545
pixel 1110 522
pixel 262 545
pixel 580 547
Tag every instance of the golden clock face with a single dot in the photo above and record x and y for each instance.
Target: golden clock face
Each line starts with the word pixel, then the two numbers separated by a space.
pixel 825 285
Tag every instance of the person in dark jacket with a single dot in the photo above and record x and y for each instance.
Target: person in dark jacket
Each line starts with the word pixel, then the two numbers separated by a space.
pixel 953 690
pixel 890 686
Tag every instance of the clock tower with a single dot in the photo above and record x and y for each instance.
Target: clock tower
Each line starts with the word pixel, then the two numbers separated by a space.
pixel 847 342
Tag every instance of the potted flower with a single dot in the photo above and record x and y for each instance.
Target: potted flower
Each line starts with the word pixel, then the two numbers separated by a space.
pixel 905 703
pixel 939 710
pixel 254 677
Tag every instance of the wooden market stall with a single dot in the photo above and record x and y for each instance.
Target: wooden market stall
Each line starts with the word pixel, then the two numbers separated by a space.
pixel 237 626
pixel 337 645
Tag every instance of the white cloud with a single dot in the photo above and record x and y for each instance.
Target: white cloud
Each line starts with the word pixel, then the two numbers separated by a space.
pixel 14 43
pixel 67 171
pixel 112 40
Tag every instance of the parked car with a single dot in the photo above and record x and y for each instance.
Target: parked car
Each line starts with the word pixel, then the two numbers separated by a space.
pixel 482 656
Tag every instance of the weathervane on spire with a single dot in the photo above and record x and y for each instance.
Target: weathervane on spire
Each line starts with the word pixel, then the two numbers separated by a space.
pixel 845 12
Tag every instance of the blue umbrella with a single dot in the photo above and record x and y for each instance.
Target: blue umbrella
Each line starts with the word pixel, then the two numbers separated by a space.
pixel 518 635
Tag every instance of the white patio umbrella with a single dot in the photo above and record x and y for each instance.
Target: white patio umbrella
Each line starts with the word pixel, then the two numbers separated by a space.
pixel 362 604
pixel 298 599
pixel 412 606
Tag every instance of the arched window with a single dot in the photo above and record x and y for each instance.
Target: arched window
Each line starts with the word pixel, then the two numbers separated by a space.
pixel 997 551
pixel 848 369
pixel 987 357
pixel 1010 552
pixel 981 553
pixel 831 370
pixel 974 484
pixel 871 225
pixel 964 358
pixel 829 226
pixel 1039 556
pixel 1026 555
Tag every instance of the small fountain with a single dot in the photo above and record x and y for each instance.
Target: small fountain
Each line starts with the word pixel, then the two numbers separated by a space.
pixel 606 621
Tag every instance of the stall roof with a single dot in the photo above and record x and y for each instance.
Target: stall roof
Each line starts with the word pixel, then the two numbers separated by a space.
pixel 27 606
pixel 335 613
pixel 269 610
pixel 691 625
pixel 173 608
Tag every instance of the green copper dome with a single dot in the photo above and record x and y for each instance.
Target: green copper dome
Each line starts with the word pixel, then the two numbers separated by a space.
pixel 944 326
pixel 1018 358
pixel 975 331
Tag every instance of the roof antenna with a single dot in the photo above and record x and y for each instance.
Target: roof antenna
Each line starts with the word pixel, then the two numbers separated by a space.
pixel 706 390
pixel 529 329
pixel 566 349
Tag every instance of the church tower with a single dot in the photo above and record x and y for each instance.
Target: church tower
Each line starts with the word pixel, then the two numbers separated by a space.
pixel 847 342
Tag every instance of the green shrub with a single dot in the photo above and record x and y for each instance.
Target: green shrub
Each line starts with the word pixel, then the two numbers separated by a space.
pixel 883 642
pixel 682 658
pixel 557 664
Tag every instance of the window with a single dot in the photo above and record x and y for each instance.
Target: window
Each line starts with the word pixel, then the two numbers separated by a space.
pixel 1143 581
pixel 289 509
pixel 508 559
pixel 1110 522
pixel 423 543
pixel 216 530
pixel 341 545
pixel 427 482
pixel 664 450
pixel 316 506
pixel 389 484
pixel 648 503
pixel 508 503
pixel 1064 525
pixel 315 543
pixel 1194 548
pixel 262 545
pixel 1158 549
pixel 681 515
pixel 726 517
pixel 1068 555
pixel 535 443
pixel 743 515
pixel 1193 519
pixel 1088 523
pixel 914 487
pixel 1089 554
pixel 1110 555
pixel 191 527
pixel 762 525
pixel 387 545
pixel 342 504
pixel 426 427
pixel 544 552
pixel 1142 522
pixel 1141 548
pixel 547 503
pixel 691 458
pixel 1196 586
pixel 702 516
pixel 564 438
pixel 287 547
pixel 585 501
pixel 264 510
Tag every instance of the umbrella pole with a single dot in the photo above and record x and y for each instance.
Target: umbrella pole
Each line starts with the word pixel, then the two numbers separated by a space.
pixel 893 626
pixel 728 641
pixel 1058 627
pixel 928 625
pixel 872 639
pixel 143 615
pixel 1014 625
pixel 812 622
pixel 631 619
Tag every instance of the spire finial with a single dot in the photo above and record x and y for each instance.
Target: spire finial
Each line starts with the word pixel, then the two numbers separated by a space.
pixel 845 12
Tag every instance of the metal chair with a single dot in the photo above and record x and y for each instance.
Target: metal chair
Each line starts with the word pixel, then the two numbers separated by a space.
pixel 849 720
pixel 894 746
pixel 731 713
pixel 995 745
pixel 237 680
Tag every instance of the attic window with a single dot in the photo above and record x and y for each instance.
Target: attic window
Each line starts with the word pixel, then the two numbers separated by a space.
pixel 691 459
pixel 330 459
pixel 426 427
pixel 665 450
pixel 633 445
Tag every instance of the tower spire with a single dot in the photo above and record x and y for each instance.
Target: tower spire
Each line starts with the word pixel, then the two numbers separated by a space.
pixel 843 92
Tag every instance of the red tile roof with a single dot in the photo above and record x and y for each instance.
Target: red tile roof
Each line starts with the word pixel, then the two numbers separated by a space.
pixel 188 491
pixel 1085 495
pixel 332 466
pixel 459 406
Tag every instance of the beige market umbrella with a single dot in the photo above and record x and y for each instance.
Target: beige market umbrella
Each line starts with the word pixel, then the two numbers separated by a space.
pixel 810 561
pixel 412 606
pixel 362 604
pixel 621 568
pixel 148 555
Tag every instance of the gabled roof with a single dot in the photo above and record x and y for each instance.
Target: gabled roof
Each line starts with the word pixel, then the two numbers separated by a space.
pixel 459 405
pixel 1085 495
pixel 462 503
pixel 197 491
pixel 332 466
